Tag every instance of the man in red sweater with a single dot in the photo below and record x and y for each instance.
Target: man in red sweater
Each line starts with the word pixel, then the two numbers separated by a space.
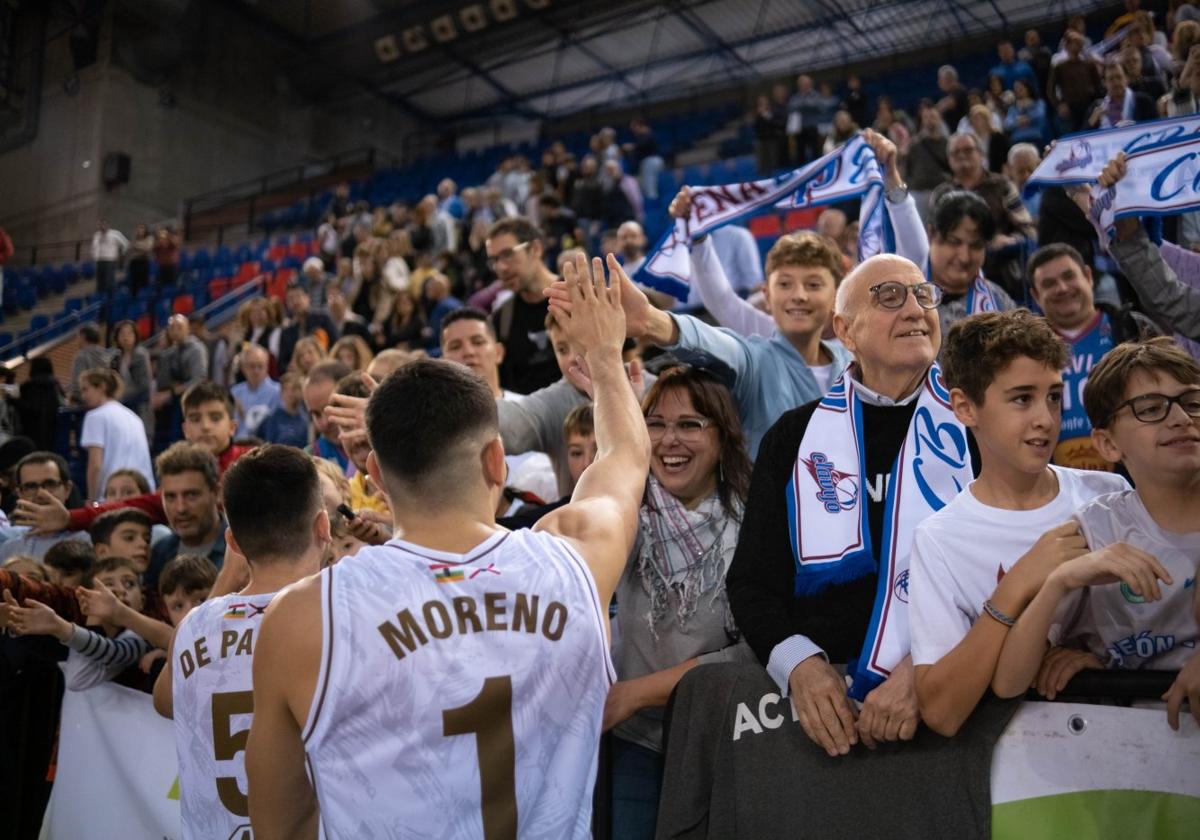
pixel 207 421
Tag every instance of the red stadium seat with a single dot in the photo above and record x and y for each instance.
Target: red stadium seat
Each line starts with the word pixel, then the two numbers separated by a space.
pixel 183 305
pixel 277 285
pixel 765 226
pixel 299 250
pixel 143 327
pixel 277 253
pixel 218 288
pixel 805 219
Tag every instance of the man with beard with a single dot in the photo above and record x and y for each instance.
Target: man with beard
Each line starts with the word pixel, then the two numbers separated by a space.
pixel 515 253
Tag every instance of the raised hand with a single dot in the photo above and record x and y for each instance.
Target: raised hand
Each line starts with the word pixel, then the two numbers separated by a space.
pixel 1113 171
pixel 639 313
pixel 681 204
pixel 594 318
pixel 885 154
pixel 99 603
pixel 35 619
pixel 45 515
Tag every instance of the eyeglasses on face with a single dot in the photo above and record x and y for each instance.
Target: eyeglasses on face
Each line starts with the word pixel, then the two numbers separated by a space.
pixel 1154 408
pixel 892 294
pixel 30 488
pixel 506 255
pixel 685 428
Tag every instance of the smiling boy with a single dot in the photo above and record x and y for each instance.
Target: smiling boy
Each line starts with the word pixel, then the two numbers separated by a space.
pixel 1144 403
pixel 989 549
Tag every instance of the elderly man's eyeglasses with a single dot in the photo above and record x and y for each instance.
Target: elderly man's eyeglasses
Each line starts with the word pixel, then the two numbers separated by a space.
pixel 30 488
pixel 892 294
pixel 1154 408
pixel 685 428
pixel 506 255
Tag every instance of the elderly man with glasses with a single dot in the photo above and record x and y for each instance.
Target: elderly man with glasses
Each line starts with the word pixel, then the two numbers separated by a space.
pixel 39 475
pixel 819 582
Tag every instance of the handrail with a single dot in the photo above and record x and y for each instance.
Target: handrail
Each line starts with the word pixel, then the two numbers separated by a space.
pixel 76 317
pixel 1115 685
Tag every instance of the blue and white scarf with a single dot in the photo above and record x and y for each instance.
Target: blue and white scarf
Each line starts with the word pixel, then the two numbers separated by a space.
pixel 1080 158
pixel 827 515
pixel 1160 181
pixel 849 171
pixel 980 297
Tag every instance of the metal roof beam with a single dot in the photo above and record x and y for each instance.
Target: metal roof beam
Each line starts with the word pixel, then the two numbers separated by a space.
pixel 707 35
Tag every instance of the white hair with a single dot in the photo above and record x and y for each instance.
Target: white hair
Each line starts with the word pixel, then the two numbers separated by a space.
pixel 1021 149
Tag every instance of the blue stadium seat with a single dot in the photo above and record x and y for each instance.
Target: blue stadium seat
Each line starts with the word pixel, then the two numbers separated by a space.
pixel 73 304
pixel 87 270
pixel 6 338
pixel 38 322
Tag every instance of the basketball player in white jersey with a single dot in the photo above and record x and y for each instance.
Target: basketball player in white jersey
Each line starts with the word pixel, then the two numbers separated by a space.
pixel 278 522
pixel 451 683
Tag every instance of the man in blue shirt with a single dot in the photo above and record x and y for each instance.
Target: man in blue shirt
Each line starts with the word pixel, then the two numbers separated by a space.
pixel 1012 68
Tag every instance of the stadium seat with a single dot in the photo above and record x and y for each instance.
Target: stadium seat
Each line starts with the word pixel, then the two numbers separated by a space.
pixel 183 305
pixel 763 226
pixel 805 219
pixel 218 288
pixel 143 327
pixel 38 322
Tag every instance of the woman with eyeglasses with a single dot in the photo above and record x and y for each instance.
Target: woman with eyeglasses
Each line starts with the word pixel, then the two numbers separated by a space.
pixel 960 229
pixel 672 611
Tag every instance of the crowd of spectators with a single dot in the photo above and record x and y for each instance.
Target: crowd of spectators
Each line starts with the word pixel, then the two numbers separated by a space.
pixel 472 276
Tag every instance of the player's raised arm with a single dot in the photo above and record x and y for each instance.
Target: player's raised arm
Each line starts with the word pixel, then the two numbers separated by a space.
pixel 602 516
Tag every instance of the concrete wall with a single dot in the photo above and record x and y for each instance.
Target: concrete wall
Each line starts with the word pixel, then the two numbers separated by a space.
pixel 235 117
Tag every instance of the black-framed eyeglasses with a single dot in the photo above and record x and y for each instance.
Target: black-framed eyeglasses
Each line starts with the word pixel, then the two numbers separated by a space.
pixel 506 255
pixel 30 488
pixel 892 294
pixel 1154 408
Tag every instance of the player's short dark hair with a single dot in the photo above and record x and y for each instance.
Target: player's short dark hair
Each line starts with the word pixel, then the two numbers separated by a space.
pixel 469 313
pixel 1105 388
pixel 270 496
pixel 104 525
pixel 957 205
pixel 1053 251
pixel 187 573
pixel 206 391
pixel 980 346
pixel 44 457
pixel 71 557
pixel 418 414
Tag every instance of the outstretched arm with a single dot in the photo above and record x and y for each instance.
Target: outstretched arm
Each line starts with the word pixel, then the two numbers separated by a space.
pixel 601 519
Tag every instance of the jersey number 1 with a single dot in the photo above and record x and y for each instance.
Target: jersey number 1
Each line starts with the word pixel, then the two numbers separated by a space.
pixel 489 718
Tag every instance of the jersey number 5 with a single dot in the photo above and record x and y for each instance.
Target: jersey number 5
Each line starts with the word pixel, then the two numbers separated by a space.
pixel 489 718
pixel 227 744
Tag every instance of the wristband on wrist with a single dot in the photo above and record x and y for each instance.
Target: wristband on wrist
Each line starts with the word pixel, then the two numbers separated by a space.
pixel 990 609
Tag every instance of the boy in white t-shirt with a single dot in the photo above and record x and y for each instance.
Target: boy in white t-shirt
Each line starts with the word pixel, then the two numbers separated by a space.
pixel 989 549
pixel 1131 602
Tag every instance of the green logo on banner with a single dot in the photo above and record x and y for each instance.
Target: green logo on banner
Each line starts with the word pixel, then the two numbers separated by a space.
pixel 173 793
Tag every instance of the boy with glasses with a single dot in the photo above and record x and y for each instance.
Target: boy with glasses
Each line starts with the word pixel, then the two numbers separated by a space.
pixel 1132 600
pixel 41 476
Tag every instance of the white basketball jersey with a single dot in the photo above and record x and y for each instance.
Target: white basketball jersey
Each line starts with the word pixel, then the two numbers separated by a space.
pixel 460 696
pixel 211 683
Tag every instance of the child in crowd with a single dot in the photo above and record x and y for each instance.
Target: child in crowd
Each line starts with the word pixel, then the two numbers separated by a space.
pixel 112 435
pixel 1131 601
pixel 990 549
pixel 580 434
pixel 98 655
pixel 69 563
pixel 123 533
pixel 23 564
pixel 184 584
pixel 288 423
pixel 124 484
